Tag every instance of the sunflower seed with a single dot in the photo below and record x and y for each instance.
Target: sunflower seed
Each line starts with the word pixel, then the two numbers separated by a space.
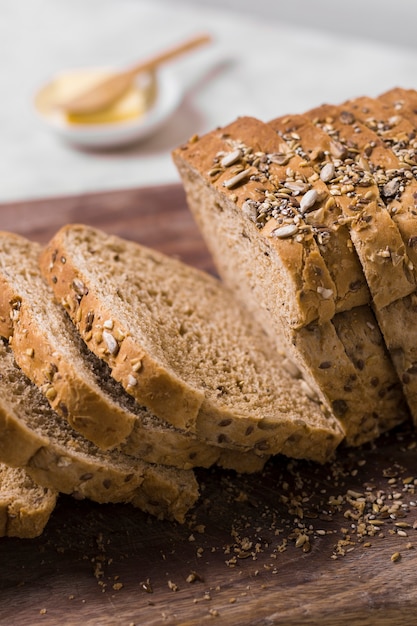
pixel 308 200
pixel 285 231
pixel 327 172
pixel 231 158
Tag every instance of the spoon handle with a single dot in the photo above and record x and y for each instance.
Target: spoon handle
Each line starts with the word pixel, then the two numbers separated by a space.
pixel 167 55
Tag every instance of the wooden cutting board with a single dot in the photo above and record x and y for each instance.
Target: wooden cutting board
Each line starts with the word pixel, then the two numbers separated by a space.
pixel 297 544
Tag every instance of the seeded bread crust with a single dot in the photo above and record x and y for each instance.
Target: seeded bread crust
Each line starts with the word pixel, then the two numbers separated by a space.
pixel 376 237
pixel 285 419
pixel 50 352
pixel 366 401
pixel 325 216
pixel 25 507
pixel 35 438
pixel 398 189
pixel 404 101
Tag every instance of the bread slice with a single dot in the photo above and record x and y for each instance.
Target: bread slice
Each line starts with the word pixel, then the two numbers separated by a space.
pixel 365 399
pixel 178 341
pixel 325 216
pixel 77 384
pixel 25 507
pixel 35 438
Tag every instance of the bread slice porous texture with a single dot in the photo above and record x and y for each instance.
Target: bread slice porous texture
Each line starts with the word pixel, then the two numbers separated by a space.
pixel 174 337
pixel 25 506
pixel 35 438
pixel 77 384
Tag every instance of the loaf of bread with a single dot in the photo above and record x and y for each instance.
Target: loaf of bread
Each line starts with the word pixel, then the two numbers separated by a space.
pixel 35 438
pixel 250 228
pixel 25 507
pixel 178 342
pixel 77 384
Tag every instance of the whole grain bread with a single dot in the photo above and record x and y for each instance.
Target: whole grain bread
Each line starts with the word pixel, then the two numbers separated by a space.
pixel 384 139
pixel 365 393
pixel 248 155
pixel 77 384
pixel 397 180
pixel 35 438
pixel 178 341
pixel 25 507
pixel 374 233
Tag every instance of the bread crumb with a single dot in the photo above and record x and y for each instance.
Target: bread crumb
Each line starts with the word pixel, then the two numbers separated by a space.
pixel 117 586
pixel 173 586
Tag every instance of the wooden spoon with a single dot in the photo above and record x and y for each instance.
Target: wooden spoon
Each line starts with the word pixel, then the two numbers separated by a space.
pixel 107 91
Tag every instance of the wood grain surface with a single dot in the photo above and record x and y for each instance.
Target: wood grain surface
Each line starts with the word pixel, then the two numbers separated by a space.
pixel 297 544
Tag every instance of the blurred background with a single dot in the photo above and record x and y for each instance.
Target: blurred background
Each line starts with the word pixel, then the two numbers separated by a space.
pixel 267 58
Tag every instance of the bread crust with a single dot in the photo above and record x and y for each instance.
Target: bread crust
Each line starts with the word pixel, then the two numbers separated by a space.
pixel 376 237
pixel 326 217
pixel 397 128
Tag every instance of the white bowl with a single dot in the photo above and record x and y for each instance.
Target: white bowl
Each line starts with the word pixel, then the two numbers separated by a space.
pixel 168 98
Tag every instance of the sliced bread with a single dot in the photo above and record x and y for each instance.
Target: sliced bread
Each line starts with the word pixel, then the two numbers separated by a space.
pixel 383 152
pixel 355 183
pixel 394 165
pixel 367 399
pixel 393 119
pixel 35 438
pixel 178 341
pixel 77 384
pixel 25 507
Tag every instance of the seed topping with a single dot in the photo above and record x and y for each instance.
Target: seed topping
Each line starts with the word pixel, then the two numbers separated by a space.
pixel 111 343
